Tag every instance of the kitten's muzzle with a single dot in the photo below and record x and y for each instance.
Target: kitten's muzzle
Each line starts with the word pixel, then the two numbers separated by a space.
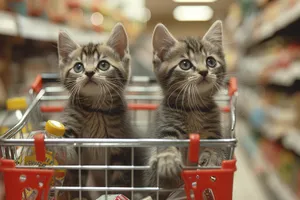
pixel 89 74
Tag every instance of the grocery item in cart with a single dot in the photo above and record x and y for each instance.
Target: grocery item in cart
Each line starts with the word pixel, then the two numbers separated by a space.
pixel 113 197
pixel 15 109
pixel 55 155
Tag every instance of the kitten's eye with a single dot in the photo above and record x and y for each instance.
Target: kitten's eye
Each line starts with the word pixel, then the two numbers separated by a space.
pixel 78 67
pixel 211 62
pixel 185 65
pixel 103 65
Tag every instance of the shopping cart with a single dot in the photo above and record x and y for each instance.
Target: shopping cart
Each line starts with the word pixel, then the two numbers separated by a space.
pixel 143 95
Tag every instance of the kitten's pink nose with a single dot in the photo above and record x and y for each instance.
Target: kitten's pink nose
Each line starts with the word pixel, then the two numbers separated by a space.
pixel 90 74
pixel 203 73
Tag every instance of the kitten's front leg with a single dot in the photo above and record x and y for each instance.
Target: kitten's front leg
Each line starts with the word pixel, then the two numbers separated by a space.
pixel 211 157
pixel 167 165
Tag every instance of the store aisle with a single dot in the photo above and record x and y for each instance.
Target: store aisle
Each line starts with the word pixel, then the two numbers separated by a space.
pixel 246 184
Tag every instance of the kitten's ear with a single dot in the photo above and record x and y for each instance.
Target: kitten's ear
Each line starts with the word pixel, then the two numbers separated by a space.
pixel 65 45
pixel 118 40
pixel 162 40
pixel 215 33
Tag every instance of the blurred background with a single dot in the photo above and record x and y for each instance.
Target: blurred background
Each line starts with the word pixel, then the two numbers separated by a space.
pixel 262 51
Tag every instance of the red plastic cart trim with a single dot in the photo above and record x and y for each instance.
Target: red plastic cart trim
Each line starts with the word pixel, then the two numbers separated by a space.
pixel 218 181
pixel 225 109
pixel 40 149
pixel 16 180
pixel 73 3
pixel 232 86
pixel 130 107
pixel 142 106
pixel 49 109
pixel 37 84
pixel 194 147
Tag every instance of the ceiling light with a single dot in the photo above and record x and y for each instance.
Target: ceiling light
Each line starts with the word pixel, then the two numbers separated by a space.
pixel 194 1
pixel 97 19
pixel 193 13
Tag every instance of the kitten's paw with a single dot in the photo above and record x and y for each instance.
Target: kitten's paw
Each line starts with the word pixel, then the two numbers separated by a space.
pixel 168 163
pixel 210 157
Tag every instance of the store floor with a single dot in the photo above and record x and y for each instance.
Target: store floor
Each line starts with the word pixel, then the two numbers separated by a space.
pixel 246 185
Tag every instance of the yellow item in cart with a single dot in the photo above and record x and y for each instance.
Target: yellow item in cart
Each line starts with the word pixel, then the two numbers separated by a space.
pixel 55 128
pixel 3 129
pixel 18 103
pixel 55 155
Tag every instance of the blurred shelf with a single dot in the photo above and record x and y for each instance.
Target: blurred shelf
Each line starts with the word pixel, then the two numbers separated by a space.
pixel 280 190
pixel 39 29
pixel 286 76
pixel 8 25
pixel 289 137
pixel 291 142
pixel 268 29
pixel 251 73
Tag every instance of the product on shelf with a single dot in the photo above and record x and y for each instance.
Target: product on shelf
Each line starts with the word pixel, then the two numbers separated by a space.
pixel 35 7
pixel 57 10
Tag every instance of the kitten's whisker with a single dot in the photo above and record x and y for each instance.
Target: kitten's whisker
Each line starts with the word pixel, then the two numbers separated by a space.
pixel 118 91
pixel 178 95
pixel 182 101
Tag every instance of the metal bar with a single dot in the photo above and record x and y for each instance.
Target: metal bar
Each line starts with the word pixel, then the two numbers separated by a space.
pixel 120 142
pixel 54 89
pixel 132 170
pixel 13 131
pixel 106 175
pixel 128 97
pixel 103 167
pixel 157 179
pixel 79 171
pixel 129 89
pixel 233 113
pixel 112 189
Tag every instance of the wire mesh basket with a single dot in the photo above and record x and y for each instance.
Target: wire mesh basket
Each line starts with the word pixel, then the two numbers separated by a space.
pixel 47 99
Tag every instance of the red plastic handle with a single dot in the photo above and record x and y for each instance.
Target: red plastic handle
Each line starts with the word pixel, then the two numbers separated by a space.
pixel 215 182
pixel 40 149
pixel 225 109
pixel 37 84
pixel 194 148
pixel 16 180
pixel 50 109
pixel 232 86
pixel 142 106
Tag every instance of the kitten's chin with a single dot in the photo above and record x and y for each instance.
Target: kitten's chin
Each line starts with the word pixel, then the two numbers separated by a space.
pixel 205 86
pixel 90 89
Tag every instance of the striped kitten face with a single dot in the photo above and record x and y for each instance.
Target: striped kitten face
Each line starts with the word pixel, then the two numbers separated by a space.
pixel 95 70
pixel 192 66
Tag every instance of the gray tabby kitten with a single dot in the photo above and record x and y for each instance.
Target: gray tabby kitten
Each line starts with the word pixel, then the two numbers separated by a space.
pixel 190 72
pixel 96 76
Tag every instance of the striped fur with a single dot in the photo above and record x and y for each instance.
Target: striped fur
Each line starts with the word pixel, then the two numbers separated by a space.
pixel 188 105
pixel 97 107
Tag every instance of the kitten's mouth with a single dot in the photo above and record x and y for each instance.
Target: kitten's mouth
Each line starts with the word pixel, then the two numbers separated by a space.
pixel 90 82
pixel 203 81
